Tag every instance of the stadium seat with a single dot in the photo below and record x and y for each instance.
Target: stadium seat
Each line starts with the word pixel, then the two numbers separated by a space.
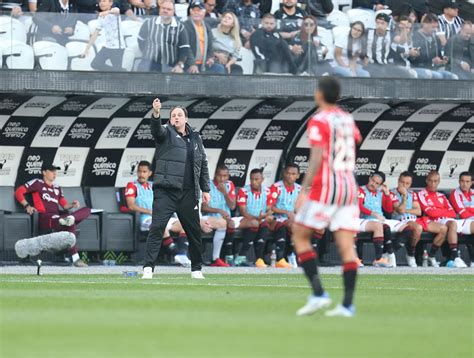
pixel 77 63
pixel 51 56
pixel 117 228
pixel 89 237
pixel 338 18
pixel 81 32
pixel 275 6
pixel 16 223
pixel 130 30
pixel 247 61
pixel 17 55
pixel 366 16
pixel 181 11
pixel 342 4
pixel 327 40
pixel 12 30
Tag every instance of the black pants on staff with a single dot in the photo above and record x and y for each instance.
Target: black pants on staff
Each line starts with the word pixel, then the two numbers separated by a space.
pixel 165 203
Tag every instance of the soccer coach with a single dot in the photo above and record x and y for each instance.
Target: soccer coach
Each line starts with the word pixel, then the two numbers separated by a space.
pixel 181 174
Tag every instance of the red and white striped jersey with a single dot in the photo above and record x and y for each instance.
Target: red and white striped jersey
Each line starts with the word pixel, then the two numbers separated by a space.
pixel 336 133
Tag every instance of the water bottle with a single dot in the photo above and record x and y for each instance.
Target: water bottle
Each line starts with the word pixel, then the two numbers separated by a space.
pixel 273 258
pixel 425 258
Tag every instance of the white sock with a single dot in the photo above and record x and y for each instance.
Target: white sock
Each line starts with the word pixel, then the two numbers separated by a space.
pixel 218 240
pixel 75 257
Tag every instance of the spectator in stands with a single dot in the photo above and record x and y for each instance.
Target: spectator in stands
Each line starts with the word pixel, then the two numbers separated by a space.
pixel 378 51
pixel 374 5
pixel 402 50
pixel 271 51
pixel 283 195
pixel 437 207
pixel 164 42
pixel 459 52
pixel 139 198
pixel 462 200
pixel 226 44
pixel 13 8
pixel 223 202
pixel 289 18
pixel 319 9
pixel 430 47
pixel 59 22
pixel 450 23
pixel 374 200
pixel 211 11
pixel 253 201
pixel 114 46
pixel 201 58
pixel 350 52
pixel 47 196
pixel 308 50
pixel 126 9
pixel 248 15
pixel 407 209
pixel 141 7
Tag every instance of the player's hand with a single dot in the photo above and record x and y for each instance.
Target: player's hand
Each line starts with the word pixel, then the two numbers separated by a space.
pixel 402 191
pixel 291 217
pixel 75 204
pixel 156 107
pixel 206 227
pixel 385 189
pixel 30 209
pixel 225 214
pixel 270 218
pixel 206 198
pixel 222 188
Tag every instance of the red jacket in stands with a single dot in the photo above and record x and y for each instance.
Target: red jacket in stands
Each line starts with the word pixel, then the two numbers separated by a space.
pixel 435 205
pixel 45 198
pixel 463 203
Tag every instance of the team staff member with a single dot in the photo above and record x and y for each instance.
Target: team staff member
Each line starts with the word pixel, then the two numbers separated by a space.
pixel 47 196
pixel 181 174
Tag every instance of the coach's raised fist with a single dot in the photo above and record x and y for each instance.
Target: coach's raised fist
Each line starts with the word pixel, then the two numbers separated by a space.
pixel 156 106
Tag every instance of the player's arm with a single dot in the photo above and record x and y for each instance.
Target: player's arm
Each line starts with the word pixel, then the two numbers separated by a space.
pixel 458 205
pixel 273 199
pixel 20 196
pixel 387 200
pixel 315 158
pixel 245 214
pixel 242 203
pixel 209 209
pixel 230 197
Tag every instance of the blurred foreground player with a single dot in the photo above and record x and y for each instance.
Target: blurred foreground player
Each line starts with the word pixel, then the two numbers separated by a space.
pixel 332 200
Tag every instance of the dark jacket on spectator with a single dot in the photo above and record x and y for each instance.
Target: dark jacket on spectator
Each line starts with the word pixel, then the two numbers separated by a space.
pixel 271 47
pixel 457 49
pixel 289 23
pixel 319 8
pixel 248 15
pixel 430 47
pixel 51 14
pixel 194 45
pixel 366 4
pixel 312 59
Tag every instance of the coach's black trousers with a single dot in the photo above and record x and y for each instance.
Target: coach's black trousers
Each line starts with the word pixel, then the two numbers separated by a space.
pixel 165 203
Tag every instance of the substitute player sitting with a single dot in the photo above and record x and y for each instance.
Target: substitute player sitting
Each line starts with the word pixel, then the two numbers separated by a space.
pixel 252 200
pixel 332 200
pixel 223 201
pixel 283 195
pixel 437 207
pixel 47 197
pixel 462 200
pixel 374 199
pixel 407 209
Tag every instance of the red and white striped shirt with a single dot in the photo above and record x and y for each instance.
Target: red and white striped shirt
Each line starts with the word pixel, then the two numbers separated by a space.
pixel 336 133
pixel 463 202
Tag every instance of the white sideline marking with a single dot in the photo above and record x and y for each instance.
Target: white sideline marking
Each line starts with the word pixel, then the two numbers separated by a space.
pixel 152 282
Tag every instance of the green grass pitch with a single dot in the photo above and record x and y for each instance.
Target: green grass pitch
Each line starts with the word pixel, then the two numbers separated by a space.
pixel 232 315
